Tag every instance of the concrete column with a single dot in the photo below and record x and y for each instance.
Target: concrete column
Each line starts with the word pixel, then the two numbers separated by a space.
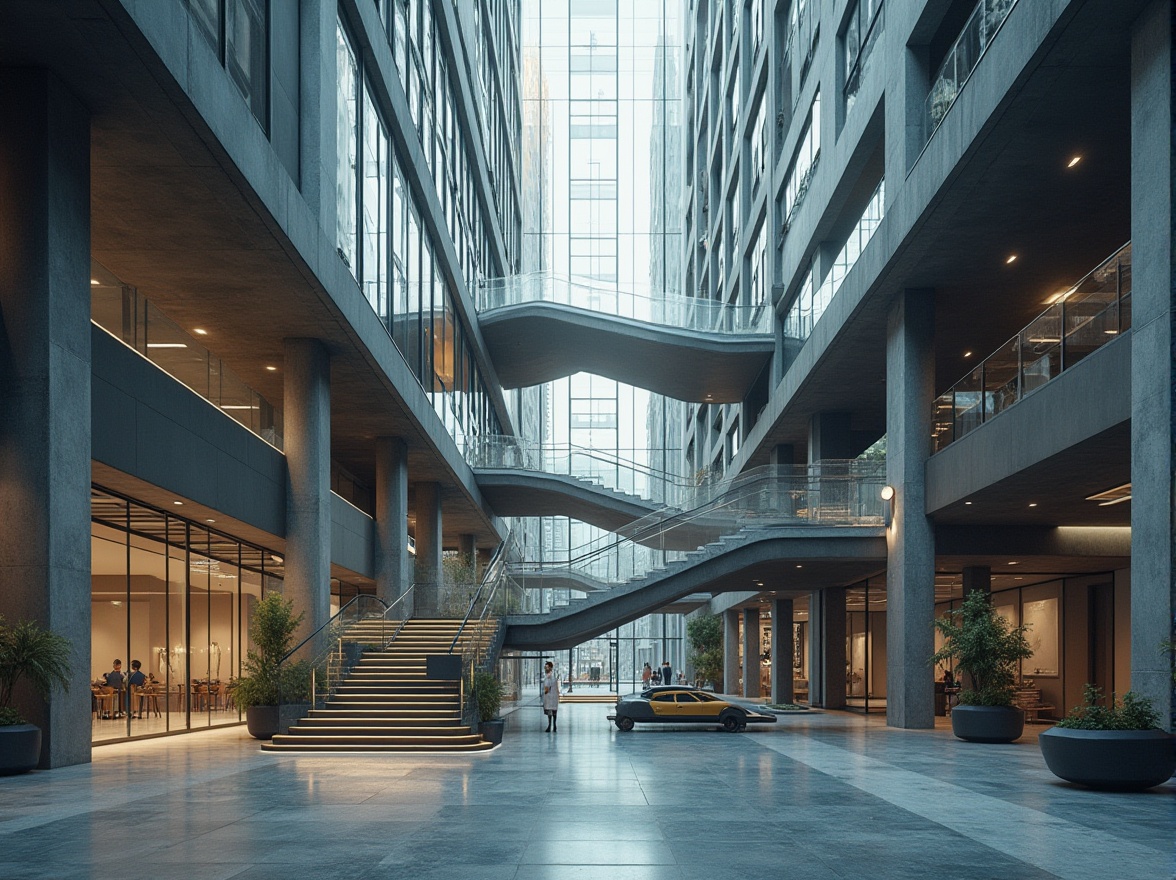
pixel 977 577
pixel 393 563
pixel 467 551
pixel 306 401
pixel 428 549
pixel 827 638
pixel 751 652
pixel 731 651
pixel 783 648
pixel 830 437
pixel 910 539
pixel 1153 377
pixel 45 388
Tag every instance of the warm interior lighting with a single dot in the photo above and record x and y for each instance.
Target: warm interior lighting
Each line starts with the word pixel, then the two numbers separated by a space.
pixel 178 503
pixel 167 345
pixel 210 520
pixel 1032 503
pixel 200 331
pixel 967 354
pixel 238 406
pixel 887 493
pixel 1117 495
pixel 94 282
pixel 1073 161
pixel 1058 297
pixel 1012 563
pixel 1012 259
pixel 272 369
pixel 276 558
pixel 800 566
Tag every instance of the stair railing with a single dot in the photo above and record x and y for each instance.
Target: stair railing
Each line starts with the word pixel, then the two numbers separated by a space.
pixel 404 607
pixel 307 676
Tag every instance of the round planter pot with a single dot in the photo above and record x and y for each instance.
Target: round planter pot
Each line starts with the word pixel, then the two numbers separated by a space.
pixel 491 731
pixel 1116 760
pixel 262 721
pixel 987 724
pixel 20 748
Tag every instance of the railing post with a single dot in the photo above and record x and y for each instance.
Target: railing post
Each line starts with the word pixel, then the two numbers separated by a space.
pixel 1062 339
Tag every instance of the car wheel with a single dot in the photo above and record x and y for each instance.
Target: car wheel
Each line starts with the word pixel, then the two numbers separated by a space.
pixel 730 723
pixel 625 723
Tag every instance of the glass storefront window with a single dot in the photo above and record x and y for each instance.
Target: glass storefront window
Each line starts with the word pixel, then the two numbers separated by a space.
pixel 173 599
pixel 347 130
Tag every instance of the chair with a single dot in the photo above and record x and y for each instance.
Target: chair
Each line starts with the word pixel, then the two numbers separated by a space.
pixel 145 700
pixel 104 701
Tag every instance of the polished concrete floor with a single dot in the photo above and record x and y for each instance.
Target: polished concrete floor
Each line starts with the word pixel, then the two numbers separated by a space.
pixel 817 796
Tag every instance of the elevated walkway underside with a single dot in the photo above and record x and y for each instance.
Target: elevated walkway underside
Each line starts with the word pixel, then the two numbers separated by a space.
pixel 735 562
pixel 536 342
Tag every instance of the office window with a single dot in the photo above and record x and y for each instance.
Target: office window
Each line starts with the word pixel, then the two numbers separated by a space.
pixel 347 148
pixel 376 168
pixel 861 33
pixel 245 53
pixel 803 163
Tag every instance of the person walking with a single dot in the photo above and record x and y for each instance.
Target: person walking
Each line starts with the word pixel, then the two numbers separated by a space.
pixel 646 675
pixel 550 696
pixel 667 673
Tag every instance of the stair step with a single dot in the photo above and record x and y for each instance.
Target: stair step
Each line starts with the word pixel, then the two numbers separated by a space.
pixel 381 739
pixel 381 723
pixel 312 746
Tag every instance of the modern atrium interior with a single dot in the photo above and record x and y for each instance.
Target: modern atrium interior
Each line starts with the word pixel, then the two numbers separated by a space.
pixel 528 331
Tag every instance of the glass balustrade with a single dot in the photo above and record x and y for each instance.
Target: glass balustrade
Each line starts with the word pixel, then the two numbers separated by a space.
pixel 666 309
pixel 961 59
pixel 1086 317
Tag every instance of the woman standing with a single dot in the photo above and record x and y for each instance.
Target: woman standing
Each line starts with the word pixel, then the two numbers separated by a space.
pixel 550 695
pixel 646 675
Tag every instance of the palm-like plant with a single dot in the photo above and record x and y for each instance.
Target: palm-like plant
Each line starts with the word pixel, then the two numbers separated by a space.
pixel 986 648
pixel 31 652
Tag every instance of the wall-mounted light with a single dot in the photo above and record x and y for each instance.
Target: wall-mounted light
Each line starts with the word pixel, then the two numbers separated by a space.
pixel 888 513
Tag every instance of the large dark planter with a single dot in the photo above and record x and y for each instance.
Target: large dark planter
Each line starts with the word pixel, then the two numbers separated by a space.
pixel 1116 760
pixel 987 724
pixel 491 731
pixel 262 721
pixel 20 748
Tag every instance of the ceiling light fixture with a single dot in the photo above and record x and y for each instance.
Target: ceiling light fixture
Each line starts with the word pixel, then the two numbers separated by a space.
pixel 272 369
pixel 1012 563
pixel 887 493
pixel 210 520
pixel 800 566
pixel 167 345
pixel 238 406
pixel 1032 503
pixel 968 503
pixel 1012 259
pixel 1117 495
pixel 94 282
pixel 1073 161
pixel 178 503
pixel 967 354
pixel 200 331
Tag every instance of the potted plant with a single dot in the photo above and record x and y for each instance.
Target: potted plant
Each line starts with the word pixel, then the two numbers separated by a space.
pixel 265 682
pixel 488 693
pixel 27 651
pixel 986 649
pixel 1117 746
pixel 705 634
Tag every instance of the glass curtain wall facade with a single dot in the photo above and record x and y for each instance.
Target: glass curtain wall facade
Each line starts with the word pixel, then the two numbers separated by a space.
pixel 176 597
pixel 601 200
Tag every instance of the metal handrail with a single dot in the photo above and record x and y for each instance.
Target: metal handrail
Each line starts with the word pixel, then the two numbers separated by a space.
pixel 495 565
pixel 334 617
pixel 406 618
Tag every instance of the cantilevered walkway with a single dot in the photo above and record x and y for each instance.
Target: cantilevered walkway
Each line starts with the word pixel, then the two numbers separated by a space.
pixel 541 327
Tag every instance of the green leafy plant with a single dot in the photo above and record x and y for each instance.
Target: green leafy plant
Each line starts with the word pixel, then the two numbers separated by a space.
pixel 985 648
pixel 1133 712
pixel 488 690
pixel 31 652
pixel 265 682
pixel 705 634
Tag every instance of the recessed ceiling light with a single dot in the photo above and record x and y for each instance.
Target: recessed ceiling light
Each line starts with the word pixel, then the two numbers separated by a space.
pixel 200 331
pixel 167 345
pixel 210 520
pixel 1012 563
pixel 272 369
pixel 1018 579
pixel 1032 503
pixel 178 503
pixel 1012 258
pixel 1073 161
pixel 800 566
pixel 94 282
pixel 968 503
pixel 967 354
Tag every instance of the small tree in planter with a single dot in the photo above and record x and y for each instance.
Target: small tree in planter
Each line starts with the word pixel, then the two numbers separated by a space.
pixel 1115 744
pixel 986 650
pixel 488 692
pixel 27 651
pixel 265 682
pixel 705 634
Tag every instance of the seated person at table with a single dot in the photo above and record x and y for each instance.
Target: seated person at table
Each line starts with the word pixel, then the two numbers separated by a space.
pixel 116 680
pixel 136 679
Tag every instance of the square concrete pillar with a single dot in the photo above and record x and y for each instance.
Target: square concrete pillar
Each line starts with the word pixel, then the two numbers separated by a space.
pixel 1153 376
pixel 45 388
pixel 393 561
pixel 751 652
pixel 827 646
pixel 427 593
pixel 306 400
pixel 910 537
pixel 731 651
pixel 783 647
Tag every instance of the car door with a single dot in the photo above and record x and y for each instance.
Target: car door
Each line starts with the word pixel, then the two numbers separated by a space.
pixel 708 708
pixel 687 706
pixel 663 706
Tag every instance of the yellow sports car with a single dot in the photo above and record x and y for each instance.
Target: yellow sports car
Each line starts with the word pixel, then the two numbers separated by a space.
pixel 686 706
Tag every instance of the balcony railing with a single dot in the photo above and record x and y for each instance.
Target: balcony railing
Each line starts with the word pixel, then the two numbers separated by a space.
pixel 1086 317
pixel 961 60
pixel 665 309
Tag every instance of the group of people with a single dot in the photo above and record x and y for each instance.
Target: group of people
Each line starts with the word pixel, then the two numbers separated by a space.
pixel 122 683
pixel 664 674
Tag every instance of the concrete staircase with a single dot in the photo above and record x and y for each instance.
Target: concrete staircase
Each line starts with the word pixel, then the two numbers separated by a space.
pixel 386 704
